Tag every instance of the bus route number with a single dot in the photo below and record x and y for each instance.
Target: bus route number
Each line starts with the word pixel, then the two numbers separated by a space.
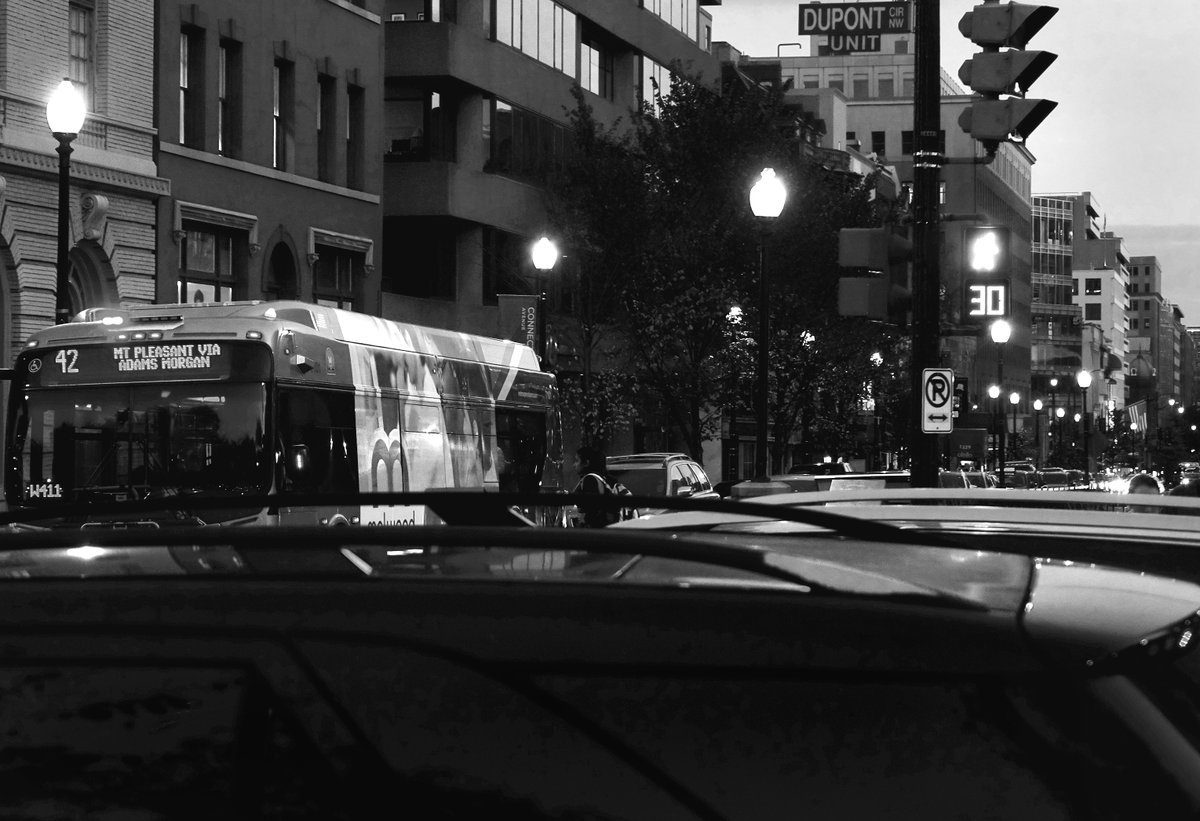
pixel 68 359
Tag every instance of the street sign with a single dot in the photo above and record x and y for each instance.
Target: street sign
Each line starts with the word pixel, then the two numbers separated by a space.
pixel 937 394
pixel 855 18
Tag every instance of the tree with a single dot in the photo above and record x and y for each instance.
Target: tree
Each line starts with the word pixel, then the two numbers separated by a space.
pixel 655 215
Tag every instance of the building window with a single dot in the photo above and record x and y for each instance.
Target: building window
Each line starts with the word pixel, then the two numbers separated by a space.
pixel 521 144
pixel 596 69
pixel 205 264
pixel 505 265
pixel 355 135
pixel 656 80
pixel 540 28
pixel 887 88
pixel 420 257
pixel 191 87
pixel 81 50
pixel 282 106
pixel 1091 310
pixel 326 126
pixel 679 14
pixel 901 47
pixel 1075 286
pixel 229 98
pixel 861 88
pixel 335 274
pixel 1091 286
pixel 906 84
pixel 879 143
pixel 1133 324
pixel 906 143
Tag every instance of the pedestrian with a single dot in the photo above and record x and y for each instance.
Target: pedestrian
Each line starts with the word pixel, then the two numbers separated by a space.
pixel 592 466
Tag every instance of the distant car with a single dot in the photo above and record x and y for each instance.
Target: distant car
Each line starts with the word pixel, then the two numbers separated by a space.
pixel 1055 478
pixel 822 469
pixel 661 474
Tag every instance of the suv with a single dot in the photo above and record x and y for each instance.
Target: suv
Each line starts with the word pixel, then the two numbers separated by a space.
pixel 661 474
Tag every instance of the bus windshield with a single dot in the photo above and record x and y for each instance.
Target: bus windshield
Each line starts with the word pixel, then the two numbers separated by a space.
pixel 123 442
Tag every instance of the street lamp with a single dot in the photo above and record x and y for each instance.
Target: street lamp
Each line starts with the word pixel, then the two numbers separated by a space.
pixel 1014 399
pixel 993 391
pixel 1084 380
pixel 65 112
pixel 1000 330
pixel 545 255
pixel 1037 432
pixel 766 201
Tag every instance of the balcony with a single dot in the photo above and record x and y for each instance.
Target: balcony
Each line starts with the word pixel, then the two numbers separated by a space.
pixel 446 189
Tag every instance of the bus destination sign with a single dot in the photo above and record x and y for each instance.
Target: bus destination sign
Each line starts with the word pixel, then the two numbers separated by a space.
pixel 90 364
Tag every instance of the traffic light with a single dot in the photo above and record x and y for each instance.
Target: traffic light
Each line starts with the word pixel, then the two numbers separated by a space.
pixel 993 73
pixel 987 269
pixel 884 251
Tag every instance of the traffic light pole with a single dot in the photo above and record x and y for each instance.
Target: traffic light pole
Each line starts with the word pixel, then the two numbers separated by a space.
pixel 926 273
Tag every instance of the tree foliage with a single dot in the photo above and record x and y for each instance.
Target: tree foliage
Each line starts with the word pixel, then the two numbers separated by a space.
pixel 655 214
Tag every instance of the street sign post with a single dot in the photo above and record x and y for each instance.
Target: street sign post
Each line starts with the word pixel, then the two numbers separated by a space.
pixel 937 394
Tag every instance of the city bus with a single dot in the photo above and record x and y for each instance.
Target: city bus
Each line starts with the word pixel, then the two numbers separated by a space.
pixel 288 398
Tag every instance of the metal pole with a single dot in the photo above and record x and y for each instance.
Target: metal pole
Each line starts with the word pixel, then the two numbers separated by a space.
pixel 62 296
pixel 926 275
pixel 541 320
pixel 1087 445
pixel 761 461
pixel 999 399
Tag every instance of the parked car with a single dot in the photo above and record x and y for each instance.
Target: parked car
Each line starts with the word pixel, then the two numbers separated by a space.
pixel 661 474
pixel 932 654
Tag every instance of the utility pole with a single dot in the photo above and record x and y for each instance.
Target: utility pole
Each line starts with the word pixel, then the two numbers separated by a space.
pixel 926 273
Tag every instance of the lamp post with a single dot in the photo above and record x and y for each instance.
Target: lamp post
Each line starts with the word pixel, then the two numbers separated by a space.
pixel 65 112
pixel 1000 330
pixel 1014 399
pixel 545 255
pixel 766 201
pixel 994 392
pixel 1037 432
pixel 1084 380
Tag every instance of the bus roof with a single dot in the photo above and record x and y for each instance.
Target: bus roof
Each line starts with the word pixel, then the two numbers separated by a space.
pixel 344 326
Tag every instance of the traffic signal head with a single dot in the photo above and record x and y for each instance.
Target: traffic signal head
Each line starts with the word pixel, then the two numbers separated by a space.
pixel 1008 25
pixel 1004 72
pixel 993 72
pixel 997 121
pixel 888 297
pixel 877 249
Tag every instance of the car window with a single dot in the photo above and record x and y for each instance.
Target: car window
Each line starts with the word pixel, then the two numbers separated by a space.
pixel 642 481
pixel 702 477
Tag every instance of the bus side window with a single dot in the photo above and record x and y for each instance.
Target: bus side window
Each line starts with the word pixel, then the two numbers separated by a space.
pixel 521 437
pixel 319 424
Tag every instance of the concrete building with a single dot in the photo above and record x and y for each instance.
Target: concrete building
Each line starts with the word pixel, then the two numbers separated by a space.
pixel 476 95
pixel 1080 302
pixel 106 49
pixel 270 131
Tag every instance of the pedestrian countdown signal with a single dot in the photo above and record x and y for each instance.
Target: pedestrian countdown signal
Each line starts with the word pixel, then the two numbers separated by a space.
pixel 987 267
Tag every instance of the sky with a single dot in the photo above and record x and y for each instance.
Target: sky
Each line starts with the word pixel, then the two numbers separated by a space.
pixel 1127 112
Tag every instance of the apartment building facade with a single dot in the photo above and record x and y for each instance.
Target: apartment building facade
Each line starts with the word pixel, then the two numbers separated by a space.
pixel 475 115
pixel 270 131
pixel 106 49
